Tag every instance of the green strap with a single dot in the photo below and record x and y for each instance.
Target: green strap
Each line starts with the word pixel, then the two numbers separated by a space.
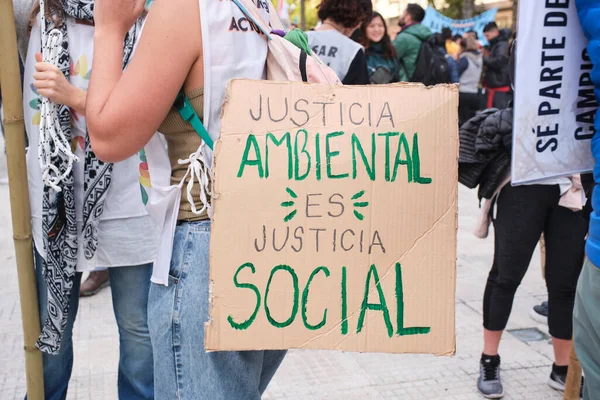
pixel 188 114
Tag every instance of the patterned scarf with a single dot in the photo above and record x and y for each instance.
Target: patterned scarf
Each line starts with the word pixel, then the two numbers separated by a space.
pixel 59 221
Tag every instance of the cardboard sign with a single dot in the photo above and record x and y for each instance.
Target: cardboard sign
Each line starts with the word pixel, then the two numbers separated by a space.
pixel 554 95
pixel 335 218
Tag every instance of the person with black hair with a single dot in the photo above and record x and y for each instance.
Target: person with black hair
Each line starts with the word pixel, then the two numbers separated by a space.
pixel 331 40
pixel 381 55
pixel 497 81
pixel 409 40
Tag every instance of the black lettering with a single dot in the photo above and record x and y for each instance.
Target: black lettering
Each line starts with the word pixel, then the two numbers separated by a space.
pixel 545 108
pixel 309 204
pixel 557 3
pixel 339 203
pixel 244 29
pixel 342 240
pixel 555 18
pixel 551 91
pixel 553 44
pixel 317 230
pixel 350 113
pixel 581 136
pixel 259 109
pixel 551 74
pixel 264 240
pixel 332 52
pixel 298 238
pixel 543 147
pixel 287 236
pixel 386 106
pixel 233 25
pixel 301 111
pixel 269 109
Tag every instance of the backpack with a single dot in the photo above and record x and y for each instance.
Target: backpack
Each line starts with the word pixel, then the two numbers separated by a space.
pixel 431 67
pixel 289 57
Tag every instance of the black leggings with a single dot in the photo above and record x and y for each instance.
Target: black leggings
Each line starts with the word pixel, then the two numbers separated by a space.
pixel 523 214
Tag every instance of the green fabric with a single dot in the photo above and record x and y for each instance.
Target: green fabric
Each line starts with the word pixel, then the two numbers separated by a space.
pixel 299 39
pixel 407 44
pixel 188 114
pixel 375 59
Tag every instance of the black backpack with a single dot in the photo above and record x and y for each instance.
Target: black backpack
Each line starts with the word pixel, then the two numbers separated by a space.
pixel 431 67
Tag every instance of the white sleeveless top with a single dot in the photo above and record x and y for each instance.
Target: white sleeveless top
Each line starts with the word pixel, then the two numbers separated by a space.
pixel 126 234
pixel 233 47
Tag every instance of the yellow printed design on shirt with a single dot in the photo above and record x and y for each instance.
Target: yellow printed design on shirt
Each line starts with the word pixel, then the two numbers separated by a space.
pixel 81 68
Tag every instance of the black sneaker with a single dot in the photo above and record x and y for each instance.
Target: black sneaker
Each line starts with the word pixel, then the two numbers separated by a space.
pixel 540 313
pixel 489 382
pixel 558 379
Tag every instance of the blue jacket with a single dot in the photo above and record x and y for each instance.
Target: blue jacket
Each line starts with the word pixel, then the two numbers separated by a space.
pixel 589 16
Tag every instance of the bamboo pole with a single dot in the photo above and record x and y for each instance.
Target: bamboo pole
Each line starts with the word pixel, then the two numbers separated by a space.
pixel 573 384
pixel 10 84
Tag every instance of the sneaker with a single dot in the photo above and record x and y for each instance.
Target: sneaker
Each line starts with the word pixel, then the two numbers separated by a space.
pixel 489 382
pixel 558 379
pixel 97 281
pixel 539 313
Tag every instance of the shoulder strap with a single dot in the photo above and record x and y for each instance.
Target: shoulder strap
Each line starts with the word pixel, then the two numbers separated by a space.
pixel 251 11
pixel 188 114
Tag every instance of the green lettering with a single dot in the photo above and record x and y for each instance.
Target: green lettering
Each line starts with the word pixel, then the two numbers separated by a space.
pixel 388 135
pixel 330 154
pixel 417 162
pixel 357 146
pixel 297 156
pixel 244 325
pixel 305 300
pixel 278 143
pixel 403 143
pixel 318 156
pixel 292 273
pixel 382 306
pixel 251 142
pixel 402 331
pixel 344 303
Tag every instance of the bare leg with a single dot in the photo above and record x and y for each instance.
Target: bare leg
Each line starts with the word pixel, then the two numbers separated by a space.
pixel 562 351
pixel 491 342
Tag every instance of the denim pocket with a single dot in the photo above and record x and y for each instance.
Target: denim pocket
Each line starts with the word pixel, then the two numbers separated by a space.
pixel 180 244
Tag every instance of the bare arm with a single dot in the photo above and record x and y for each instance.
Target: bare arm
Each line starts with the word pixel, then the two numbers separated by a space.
pixel 124 109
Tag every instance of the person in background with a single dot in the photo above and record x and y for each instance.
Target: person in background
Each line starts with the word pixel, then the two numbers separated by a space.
pixel 452 47
pixel 439 42
pixel 470 65
pixel 331 41
pixel 520 215
pixel 495 60
pixel 381 55
pixel 409 40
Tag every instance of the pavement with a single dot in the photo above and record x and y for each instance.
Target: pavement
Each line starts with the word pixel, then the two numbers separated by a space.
pixel 309 374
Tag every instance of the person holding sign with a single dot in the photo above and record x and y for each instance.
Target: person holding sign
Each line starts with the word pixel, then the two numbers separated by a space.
pixel 208 43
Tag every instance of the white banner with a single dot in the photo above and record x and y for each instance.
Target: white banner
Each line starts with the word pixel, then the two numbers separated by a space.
pixel 554 95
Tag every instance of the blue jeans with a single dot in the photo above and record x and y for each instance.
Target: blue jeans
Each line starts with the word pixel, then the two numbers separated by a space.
pixel 176 315
pixel 129 286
